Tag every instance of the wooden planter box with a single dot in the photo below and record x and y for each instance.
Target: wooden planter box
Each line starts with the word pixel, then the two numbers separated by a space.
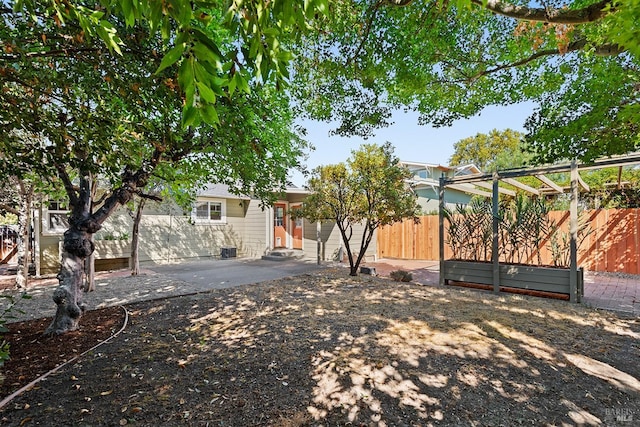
pixel 530 277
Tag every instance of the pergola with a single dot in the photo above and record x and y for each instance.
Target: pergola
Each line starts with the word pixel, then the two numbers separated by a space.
pixel 479 183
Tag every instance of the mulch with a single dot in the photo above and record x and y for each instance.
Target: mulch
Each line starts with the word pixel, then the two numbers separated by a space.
pixel 327 349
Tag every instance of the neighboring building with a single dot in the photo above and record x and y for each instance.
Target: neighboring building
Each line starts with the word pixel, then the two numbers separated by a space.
pixel 219 219
pixel 426 184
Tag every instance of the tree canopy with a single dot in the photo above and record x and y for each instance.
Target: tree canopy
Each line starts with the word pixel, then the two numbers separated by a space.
pixel 369 190
pixel 97 89
pixel 448 60
pixel 492 151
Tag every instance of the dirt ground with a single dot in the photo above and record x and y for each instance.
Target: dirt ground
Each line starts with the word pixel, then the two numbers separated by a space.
pixel 330 350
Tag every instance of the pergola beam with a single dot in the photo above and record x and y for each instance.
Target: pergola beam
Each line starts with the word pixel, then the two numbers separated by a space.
pixel 626 160
pixel 470 190
pixel 500 190
pixel 521 186
pixel 549 183
pixel 583 184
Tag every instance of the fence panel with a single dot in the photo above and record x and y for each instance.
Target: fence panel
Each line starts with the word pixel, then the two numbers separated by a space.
pixel 612 243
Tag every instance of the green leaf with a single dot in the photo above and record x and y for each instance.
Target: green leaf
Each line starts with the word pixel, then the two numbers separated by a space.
pixel 206 93
pixel 232 84
pixel 203 53
pixel 210 115
pixel 127 10
pixel 185 73
pixel 189 116
pixel 171 57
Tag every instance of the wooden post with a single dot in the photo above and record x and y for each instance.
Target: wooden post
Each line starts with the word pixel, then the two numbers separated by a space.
pixel 319 241
pixel 495 259
pixel 573 231
pixel 441 228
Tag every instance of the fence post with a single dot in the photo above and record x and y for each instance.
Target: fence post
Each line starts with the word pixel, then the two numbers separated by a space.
pixel 441 228
pixel 573 231
pixel 494 245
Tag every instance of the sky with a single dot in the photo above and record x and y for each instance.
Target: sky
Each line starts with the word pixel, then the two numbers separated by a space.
pixel 412 142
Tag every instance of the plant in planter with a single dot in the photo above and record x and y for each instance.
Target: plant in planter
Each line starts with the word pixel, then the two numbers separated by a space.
pixel 523 228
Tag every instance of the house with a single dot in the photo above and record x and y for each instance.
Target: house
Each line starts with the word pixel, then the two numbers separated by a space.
pixel 426 183
pixel 219 220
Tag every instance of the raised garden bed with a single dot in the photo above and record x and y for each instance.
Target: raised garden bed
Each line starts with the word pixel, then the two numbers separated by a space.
pixel 553 280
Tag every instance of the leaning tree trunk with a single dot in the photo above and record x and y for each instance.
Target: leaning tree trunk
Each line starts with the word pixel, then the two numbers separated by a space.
pixel 24 224
pixel 78 239
pixel 77 246
pixel 135 239
pixel 353 269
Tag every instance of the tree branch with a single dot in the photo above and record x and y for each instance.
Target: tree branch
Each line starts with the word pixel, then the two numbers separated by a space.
pixel 603 50
pixel 589 13
pixel 132 183
pixel 7 208
pixel 68 185
pixel 367 30
pixel 150 196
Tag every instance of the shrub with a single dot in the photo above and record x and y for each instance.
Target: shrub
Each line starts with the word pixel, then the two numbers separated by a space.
pixel 401 276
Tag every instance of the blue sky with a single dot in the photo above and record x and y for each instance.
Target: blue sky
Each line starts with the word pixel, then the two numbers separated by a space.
pixel 412 142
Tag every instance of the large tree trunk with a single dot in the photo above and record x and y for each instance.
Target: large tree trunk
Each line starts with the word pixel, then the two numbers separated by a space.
pixel 353 267
pixel 78 239
pixel 77 246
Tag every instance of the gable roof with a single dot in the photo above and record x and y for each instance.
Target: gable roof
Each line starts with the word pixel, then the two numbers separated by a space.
pixel 221 191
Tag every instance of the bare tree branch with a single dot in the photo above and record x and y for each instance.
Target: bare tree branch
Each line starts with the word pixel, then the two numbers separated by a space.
pixel 603 50
pixel 589 13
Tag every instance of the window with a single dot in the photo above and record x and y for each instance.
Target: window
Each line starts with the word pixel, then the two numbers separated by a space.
pixel 210 211
pixel 57 216
pixel 278 217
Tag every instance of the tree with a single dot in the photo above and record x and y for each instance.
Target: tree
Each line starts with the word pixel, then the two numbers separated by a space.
pixel 595 117
pixel 123 114
pixel 369 190
pixel 448 60
pixel 246 43
pixel 496 150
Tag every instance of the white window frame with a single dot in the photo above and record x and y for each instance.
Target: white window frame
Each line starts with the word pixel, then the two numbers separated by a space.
pixel 60 229
pixel 208 220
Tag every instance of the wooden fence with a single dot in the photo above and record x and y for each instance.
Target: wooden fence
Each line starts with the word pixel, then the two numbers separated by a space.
pixel 612 244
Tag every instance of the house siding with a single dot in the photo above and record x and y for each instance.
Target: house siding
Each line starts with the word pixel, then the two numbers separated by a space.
pixel 429 202
pixel 168 234
pixel 331 241
pixel 255 230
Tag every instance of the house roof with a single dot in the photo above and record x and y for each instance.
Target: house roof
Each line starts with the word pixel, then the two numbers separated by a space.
pixel 221 191
pixel 426 165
